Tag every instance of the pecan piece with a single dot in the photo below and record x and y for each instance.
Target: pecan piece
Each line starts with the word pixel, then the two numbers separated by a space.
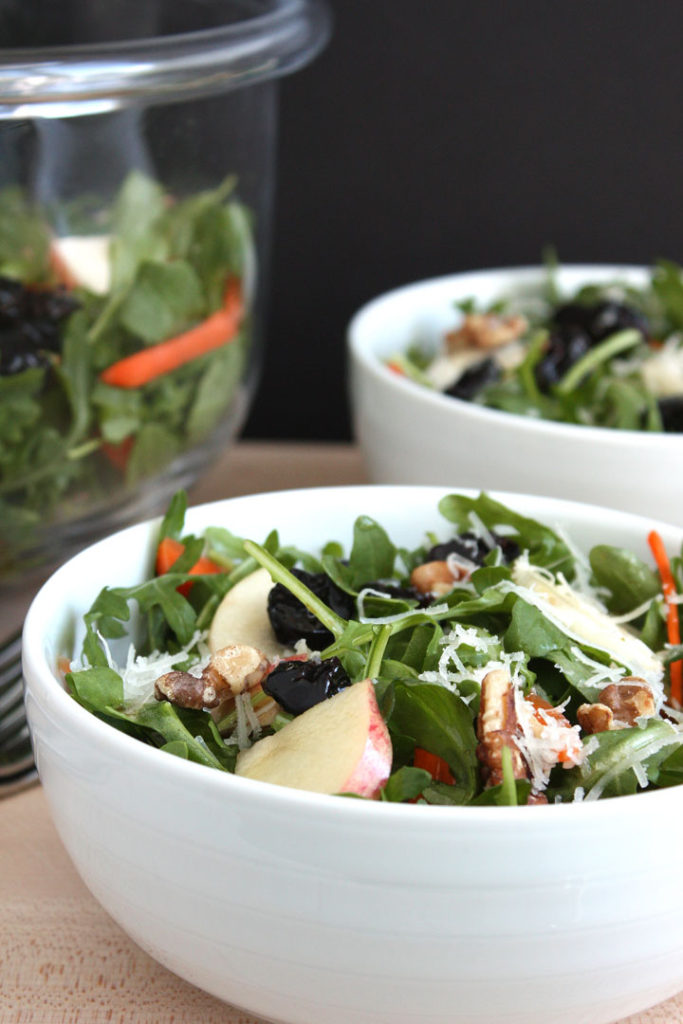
pixel 486 331
pixel 618 706
pixel 231 670
pixel 629 700
pixel 185 690
pixel 497 727
pixel 595 718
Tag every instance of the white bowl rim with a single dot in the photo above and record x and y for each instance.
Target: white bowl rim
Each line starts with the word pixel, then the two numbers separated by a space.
pixel 362 351
pixel 267 797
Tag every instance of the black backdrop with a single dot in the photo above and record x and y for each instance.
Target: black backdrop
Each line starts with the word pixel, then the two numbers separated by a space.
pixel 439 135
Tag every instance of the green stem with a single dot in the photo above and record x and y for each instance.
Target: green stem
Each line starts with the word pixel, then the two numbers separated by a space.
pixel 376 652
pixel 279 574
pixel 508 787
pixel 86 448
pixel 612 346
pixel 526 369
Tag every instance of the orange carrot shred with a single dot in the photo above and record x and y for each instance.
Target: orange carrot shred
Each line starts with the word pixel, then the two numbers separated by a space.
pixel 217 330
pixel 168 553
pixel 435 765
pixel 673 626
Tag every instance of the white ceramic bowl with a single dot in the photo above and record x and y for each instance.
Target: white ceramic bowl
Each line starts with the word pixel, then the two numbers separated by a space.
pixel 305 908
pixel 410 434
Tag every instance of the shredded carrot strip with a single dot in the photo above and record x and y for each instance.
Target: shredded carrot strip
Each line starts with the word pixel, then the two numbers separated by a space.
pixel 148 364
pixel 168 553
pixel 673 626
pixel 435 765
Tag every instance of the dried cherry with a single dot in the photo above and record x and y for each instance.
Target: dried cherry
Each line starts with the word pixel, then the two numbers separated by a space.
pixel 299 685
pixel 474 548
pixel 30 320
pixel 471 382
pixel 292 621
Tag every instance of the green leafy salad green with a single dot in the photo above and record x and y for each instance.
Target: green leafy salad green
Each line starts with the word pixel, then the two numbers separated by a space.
pixel 608 354
pixel 506 666
pixel 102 389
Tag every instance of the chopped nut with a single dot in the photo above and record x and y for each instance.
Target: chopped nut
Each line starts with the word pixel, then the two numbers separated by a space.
pixel 231 670
pixel 595 718
pixel 238 665
pixel 497 727
pixel 432 578
pixel 618 706
pixel 629 700
pixel 486 331
pixel 185 690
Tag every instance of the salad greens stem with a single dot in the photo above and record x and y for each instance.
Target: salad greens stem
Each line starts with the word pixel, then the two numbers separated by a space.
pixel 279 574
pixel 526 370
pixel 373 663
pixel 612 346
pixel 81 450
pixel 508 787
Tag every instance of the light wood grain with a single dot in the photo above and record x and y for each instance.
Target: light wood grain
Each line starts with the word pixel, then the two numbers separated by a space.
pixel 62 959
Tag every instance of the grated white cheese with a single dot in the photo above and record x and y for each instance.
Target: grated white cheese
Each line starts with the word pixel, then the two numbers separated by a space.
pixel 584 620
pixel 662 372
pixel 544 738
pixel 385 620
pixel 479 529
pixel 635 761
pixel 452 671
pixel 140 672
pixel 459 566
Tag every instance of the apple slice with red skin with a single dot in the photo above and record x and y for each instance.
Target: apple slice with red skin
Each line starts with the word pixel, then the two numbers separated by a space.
pixel 242 617
pixel 341 745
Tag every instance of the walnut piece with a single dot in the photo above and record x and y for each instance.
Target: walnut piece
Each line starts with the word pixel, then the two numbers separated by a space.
pixel 497 727
pixel 618 706
pixel 433 578
pixel 230 671
pixel 485 331
pixel 629 700
pixel 595 718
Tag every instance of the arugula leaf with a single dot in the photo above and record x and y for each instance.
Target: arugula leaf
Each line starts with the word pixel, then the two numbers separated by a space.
pixel 174 520
pixel 405 784
pixel 545 547
pixel 440 722
pixel 609 765
pixel 164 299
pixel 628 580
pixel 372 557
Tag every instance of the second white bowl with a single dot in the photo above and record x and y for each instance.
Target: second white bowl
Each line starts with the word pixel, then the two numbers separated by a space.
pixel 410 434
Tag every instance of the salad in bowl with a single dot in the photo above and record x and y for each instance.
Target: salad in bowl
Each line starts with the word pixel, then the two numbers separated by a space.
pixel 348 802
pixel 490 661
pixel 608 353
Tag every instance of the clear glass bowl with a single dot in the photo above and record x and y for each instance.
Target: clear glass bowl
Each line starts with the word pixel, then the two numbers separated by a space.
pixel 136 182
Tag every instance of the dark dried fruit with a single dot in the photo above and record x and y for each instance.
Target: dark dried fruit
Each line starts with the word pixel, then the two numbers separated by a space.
pixel 564 347
pixel 299 685
pixel 30 320
pixel 600 319
pixel 671 411
pixel 292 621
pixel 394 590
pixel 474 548
pixel 474 380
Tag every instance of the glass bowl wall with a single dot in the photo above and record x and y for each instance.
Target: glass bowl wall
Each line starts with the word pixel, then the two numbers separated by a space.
pixel 137 160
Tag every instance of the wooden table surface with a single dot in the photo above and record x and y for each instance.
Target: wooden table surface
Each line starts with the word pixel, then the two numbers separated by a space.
pixel 62 959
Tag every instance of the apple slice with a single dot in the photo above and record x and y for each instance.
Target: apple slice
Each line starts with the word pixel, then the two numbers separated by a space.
pixel 86 259
pixel 341 745
pixel 242 617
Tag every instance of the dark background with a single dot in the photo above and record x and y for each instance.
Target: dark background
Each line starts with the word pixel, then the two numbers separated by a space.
pixel 433 136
